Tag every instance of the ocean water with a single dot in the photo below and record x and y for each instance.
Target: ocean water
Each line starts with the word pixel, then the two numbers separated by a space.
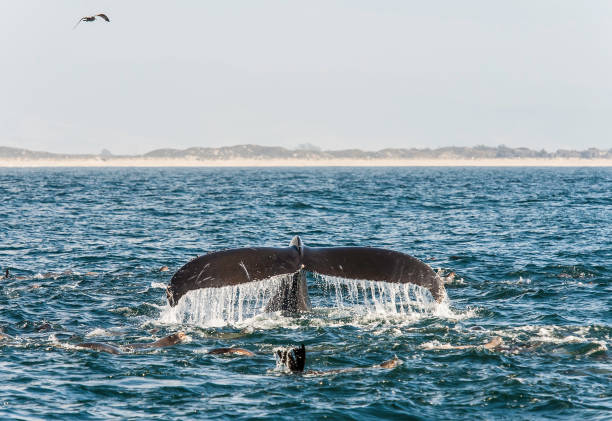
pixel 531 249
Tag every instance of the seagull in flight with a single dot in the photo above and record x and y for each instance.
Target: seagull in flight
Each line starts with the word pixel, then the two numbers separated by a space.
pixel 91 19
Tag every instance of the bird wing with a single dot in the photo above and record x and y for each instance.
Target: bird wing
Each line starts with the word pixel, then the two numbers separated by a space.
pixel 77 24
pixel 103 16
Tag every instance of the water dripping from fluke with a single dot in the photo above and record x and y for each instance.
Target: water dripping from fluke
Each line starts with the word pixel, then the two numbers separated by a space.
pixel 377 297
pixel 237 304
pixel 215 307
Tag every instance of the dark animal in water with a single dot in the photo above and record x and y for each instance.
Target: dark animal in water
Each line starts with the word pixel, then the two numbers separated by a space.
pixel 231 351
pixel 237 266
pixel 293 358
pixel 98 346
pixel 7 275
pixel 91 19
pixel 111 349
pixel 160 343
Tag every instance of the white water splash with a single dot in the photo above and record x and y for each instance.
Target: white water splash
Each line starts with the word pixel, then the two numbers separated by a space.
pixel 103 332
pixel 435 344
pixel 379 297
pixel 280 366
pixel 154 285
pixel 519 281
pixel 530 335
pixel 215 307
pixel 387 299
pixel 358 302
pixel 71 286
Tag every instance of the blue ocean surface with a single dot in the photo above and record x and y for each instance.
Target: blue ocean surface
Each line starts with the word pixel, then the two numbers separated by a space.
pixel 530 249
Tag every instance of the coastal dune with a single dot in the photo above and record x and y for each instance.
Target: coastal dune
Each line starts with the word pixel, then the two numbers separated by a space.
pixel 243 162
pixel 270 156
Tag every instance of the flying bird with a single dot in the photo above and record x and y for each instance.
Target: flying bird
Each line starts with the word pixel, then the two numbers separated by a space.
pixel 91 19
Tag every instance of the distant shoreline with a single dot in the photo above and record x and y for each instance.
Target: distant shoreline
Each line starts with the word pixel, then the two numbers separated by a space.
pixel 181 162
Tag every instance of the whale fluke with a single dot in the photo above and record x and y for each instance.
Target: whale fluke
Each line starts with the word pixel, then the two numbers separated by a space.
pixel 232 267
pixel 373 264
pixel 237 266
pixel 292 295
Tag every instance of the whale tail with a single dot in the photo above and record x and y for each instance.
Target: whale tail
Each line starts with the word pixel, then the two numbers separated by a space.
pixel 373 264
pixel 237 266
pixel 292 295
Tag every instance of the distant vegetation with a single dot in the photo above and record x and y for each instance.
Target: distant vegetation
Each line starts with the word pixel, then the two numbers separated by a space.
pixel 312 153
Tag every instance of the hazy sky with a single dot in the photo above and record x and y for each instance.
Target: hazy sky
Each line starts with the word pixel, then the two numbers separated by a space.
pixel 337 74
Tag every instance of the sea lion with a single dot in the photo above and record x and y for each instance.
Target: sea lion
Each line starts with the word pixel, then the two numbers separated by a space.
pixel 98 346
pixel 8 275
pixel 55 275
pixel 44 327
pixel 231 351
pixel 160 343
pixel 392 363
pixel 493 344
pixel 294 359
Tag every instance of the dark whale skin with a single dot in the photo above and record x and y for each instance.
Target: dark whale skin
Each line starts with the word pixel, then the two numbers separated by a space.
pixel 237 266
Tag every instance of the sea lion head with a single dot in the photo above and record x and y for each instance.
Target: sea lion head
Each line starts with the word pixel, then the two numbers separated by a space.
pixel 293 358
pixel 178 336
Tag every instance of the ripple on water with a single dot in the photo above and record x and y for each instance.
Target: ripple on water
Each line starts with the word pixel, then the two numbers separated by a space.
pixel 531 247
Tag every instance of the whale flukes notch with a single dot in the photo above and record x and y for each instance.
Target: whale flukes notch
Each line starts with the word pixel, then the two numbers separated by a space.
pixel 238 266
pixel 91 19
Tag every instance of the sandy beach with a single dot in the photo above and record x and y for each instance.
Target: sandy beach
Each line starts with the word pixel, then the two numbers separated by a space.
pixel 145 162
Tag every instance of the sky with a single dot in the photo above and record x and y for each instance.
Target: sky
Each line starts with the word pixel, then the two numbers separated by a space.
pixel 335 74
